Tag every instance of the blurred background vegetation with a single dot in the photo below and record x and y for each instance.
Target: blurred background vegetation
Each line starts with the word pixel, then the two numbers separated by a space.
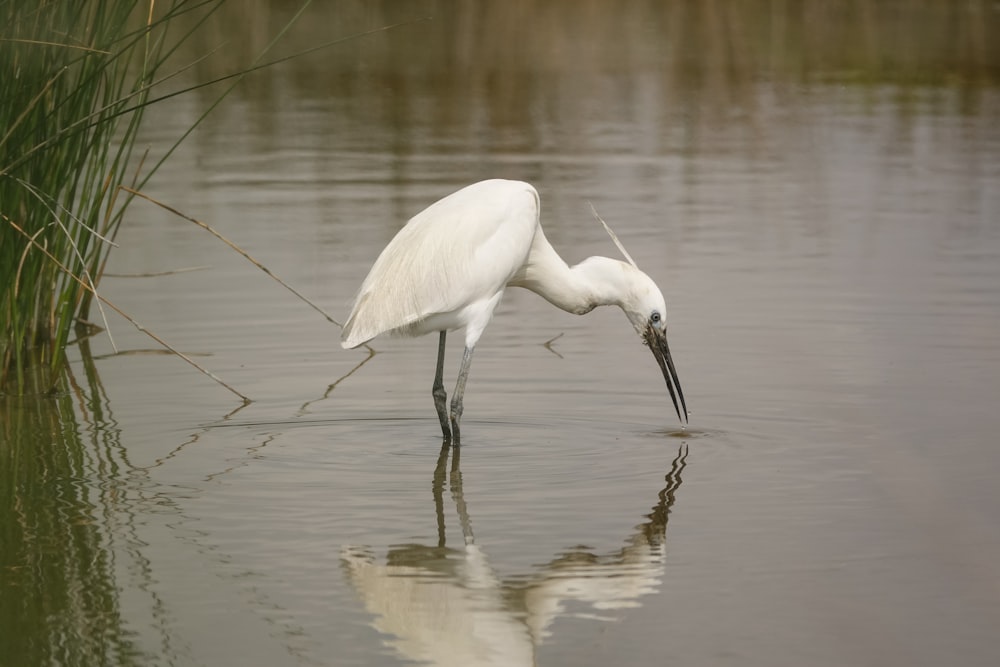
pixel 694 44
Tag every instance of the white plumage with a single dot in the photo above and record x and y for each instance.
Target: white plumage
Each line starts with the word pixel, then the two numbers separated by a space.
pixel 445 267
pixel 448 267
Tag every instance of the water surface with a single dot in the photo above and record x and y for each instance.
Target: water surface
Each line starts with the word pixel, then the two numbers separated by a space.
pixel 823 222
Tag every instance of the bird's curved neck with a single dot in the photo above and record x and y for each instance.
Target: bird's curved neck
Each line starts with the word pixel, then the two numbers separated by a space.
pixel 596 281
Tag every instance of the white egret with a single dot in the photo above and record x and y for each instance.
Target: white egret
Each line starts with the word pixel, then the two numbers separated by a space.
pixel 448 267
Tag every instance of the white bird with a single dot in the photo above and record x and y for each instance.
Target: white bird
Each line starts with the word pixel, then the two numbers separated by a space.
pixel 448 267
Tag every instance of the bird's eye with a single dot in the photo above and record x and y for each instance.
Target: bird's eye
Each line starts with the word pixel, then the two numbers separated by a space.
pixel 655 317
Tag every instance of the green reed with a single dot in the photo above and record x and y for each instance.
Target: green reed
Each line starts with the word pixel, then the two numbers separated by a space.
pixel 76 78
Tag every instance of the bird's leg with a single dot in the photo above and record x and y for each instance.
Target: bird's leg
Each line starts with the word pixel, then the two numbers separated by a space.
pixel 456 397
pixel 440 397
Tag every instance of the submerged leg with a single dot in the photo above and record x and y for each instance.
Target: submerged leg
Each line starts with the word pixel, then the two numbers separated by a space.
pixel 440 397
pixel 456 398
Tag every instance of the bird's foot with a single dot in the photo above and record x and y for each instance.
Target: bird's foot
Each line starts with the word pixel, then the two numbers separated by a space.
pixel 445 429
pixel 442 411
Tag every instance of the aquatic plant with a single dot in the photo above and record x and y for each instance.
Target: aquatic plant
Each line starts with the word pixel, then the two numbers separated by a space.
pixel 77 77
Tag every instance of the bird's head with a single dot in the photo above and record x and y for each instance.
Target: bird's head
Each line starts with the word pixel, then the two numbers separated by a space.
pixel 645 308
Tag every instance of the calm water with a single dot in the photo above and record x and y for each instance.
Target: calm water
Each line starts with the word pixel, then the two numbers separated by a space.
pixel 815 193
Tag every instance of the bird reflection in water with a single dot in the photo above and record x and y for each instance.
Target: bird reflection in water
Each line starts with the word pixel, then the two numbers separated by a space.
pixel 446 606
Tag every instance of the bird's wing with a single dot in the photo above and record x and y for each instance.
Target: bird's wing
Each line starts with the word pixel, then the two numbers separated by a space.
pixel 462 249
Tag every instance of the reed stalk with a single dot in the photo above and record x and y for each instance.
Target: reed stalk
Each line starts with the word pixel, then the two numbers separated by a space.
pixel 76 79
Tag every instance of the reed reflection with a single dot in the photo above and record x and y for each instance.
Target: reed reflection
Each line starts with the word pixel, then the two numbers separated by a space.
pixel 67 529
pixel 446 605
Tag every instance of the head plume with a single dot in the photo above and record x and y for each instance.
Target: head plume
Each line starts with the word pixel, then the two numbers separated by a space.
pixel 614 237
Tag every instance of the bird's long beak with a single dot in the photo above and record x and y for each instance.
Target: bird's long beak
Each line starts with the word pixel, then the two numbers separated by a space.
pixel 656 339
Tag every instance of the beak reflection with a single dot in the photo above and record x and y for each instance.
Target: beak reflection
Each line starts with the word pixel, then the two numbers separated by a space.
pixel 656 339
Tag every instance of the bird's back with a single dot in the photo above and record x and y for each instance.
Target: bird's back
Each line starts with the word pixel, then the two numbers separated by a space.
pixel 460 250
